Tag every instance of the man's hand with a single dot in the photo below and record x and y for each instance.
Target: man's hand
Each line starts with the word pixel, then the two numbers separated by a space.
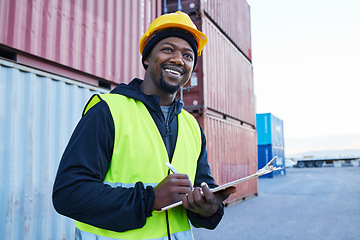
pixel 208 204
pixel 170 190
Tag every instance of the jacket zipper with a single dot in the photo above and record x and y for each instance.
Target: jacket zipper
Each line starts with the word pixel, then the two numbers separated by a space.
pixel 167 127
pixel 167 134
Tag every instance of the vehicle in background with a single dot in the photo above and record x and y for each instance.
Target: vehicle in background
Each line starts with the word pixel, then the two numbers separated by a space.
pixel 319 162
pixel 289 163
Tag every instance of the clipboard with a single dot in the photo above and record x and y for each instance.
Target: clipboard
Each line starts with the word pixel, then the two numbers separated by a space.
pixel 268 168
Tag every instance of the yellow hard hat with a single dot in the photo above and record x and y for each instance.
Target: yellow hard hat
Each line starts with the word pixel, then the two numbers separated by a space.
pixel 174 20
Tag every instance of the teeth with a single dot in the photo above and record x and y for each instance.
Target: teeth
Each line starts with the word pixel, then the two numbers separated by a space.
pixel 172 71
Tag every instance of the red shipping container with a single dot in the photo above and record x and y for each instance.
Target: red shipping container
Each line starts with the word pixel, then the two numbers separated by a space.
pixel 223 79
pixel 232 153
pixel 232 17
pixel 87 40
pixel 220 94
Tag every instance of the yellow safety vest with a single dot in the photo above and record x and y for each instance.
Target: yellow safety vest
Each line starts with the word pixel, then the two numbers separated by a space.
pixel 139 154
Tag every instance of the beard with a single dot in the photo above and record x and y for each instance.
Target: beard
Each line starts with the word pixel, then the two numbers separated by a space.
pixel 168 88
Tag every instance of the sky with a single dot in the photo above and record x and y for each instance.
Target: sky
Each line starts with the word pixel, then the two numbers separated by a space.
pixel 306 60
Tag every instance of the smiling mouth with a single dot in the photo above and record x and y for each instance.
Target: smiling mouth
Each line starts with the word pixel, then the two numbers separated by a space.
pixel 171 71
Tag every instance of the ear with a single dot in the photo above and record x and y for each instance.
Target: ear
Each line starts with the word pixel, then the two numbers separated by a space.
pixel 146 60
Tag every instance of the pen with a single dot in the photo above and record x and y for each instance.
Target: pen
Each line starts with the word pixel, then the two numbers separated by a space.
pixel 171 167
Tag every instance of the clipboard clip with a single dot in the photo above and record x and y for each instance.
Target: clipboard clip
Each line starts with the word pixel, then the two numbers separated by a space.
pixel 268 168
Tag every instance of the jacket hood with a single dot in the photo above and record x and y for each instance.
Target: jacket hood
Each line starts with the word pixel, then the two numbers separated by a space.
pixel 132 90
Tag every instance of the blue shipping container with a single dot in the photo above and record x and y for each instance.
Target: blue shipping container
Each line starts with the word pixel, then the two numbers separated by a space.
pixel 266 153
pixel 269 129
pixel 38 112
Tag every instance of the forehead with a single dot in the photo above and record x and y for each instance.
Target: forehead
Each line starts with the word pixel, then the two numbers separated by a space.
pixel 175 41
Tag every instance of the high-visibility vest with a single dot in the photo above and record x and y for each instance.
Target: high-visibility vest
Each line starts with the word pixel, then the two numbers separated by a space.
pixel 139 154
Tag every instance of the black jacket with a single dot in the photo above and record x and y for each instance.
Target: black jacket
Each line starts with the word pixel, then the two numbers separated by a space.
pixel 79 192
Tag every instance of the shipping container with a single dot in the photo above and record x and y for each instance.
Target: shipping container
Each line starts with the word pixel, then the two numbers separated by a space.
pixel 38 112
pixel 232 18
pixel 232 153
pixel 270 129
pixel 220 93
pixel 228 77
pixel 222 81
pixel 89 40
pixel 266 153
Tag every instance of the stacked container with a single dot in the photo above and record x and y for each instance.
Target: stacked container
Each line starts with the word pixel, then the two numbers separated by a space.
pixel 220 93
pixel 96 42
pixel 54 55
pixel 270 142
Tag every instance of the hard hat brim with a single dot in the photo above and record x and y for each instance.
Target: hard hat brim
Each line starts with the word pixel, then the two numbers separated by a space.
pixel 200 37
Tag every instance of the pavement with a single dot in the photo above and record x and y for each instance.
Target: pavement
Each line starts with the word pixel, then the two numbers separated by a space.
pixel 306 204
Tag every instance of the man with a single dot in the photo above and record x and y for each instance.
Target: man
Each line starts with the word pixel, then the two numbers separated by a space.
pixel 112 177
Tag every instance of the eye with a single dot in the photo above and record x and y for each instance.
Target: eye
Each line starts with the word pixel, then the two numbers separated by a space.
pixel 167 49
pixel 189 56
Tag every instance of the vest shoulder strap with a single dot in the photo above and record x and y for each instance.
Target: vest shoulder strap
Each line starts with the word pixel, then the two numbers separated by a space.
pixel 92 102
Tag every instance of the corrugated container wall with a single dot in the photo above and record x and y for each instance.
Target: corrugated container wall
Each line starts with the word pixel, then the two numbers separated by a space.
pixel 232 153
pixel 223 79
pixel 232 17
pixel 228 86
pixel 82 39
pixel 270 129
pixel 38 112
pixel 221 93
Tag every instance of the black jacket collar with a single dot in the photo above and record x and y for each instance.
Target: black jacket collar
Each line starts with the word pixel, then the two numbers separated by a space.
pixel 152 102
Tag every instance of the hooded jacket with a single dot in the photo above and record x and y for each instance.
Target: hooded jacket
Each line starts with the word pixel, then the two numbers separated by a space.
pixel 79 191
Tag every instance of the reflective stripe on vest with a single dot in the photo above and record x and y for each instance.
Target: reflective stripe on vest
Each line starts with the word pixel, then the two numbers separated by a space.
pixel 128 185
pixel 81 235
pixel 139 154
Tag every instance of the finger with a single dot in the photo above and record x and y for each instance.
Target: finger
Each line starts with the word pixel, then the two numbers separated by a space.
pixel 179 176
pixel 183 189
pixel 206 190
pixel 194 197
pixel 224 194
pixel 185 182
pixel 181 179
pixel 185 201
pixel 199 196
pixel 230 190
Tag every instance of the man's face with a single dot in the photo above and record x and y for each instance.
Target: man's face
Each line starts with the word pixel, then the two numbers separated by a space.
pixel 170 64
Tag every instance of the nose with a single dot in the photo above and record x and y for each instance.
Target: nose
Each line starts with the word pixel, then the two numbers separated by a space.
pixel 177 58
